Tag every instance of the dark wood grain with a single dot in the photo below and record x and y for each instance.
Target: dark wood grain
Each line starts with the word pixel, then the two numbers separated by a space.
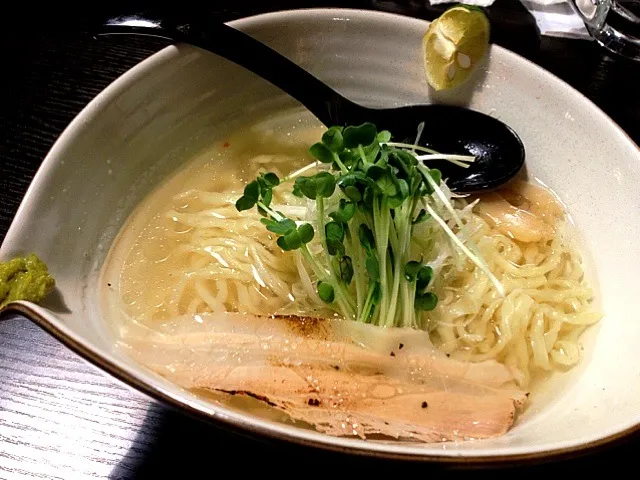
pixel 61 418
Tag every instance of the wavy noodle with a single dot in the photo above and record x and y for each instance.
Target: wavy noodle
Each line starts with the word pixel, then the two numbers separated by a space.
pixel 537 325
pixel 225 260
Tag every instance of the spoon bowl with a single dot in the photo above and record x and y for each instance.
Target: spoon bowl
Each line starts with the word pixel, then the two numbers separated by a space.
pixel 499 151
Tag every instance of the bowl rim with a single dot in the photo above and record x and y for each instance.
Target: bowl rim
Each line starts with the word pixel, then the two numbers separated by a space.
pixel 243 423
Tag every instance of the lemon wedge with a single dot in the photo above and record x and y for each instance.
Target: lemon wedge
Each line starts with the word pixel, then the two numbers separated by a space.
pixel 454 44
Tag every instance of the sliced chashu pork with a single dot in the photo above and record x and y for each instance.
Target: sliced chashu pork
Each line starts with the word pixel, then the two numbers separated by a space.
pixel 343 377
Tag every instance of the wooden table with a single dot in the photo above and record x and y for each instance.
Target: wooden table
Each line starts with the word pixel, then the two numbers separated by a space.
pixel 61 418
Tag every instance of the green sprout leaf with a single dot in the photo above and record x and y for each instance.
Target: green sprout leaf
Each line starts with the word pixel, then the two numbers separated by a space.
pixel 267 196
pixel 346 211
pixel 383 179
pixel 245 203
pixel 293 240
pixel 282 243
pixel 425 302
pixel 387 186
pixel 383 158
pixel 404 162
pixel 332 139
pixel 271 179
pixel 321 152
pixel 306 232
pixel 325 184
pixel 373 267
pixel 346 269
pixel 325 292
pixel 403 188
pixel 365 235
pixel 334 232
pixel 424 277
pixel 371 153
pixel 364 135
pixel 250 197
pixel 353 185
pixel 290 241
pixel 384 136
pixel 376 172
pixel 252 190
pixel 411 270
pixel 353 194
pixel 306 186
pixel 436 175
pixel 322 184
pixel 282 227
pixel 349 157
pixel 402 193
pixel 368 198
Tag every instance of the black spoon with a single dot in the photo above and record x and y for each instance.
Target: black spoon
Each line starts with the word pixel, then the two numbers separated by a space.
pixel 448 129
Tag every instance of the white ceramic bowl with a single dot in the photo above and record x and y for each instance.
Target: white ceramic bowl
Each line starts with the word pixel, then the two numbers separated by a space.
pixel 160 114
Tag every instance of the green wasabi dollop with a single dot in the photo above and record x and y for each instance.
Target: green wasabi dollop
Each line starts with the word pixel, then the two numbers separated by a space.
pixel 24 278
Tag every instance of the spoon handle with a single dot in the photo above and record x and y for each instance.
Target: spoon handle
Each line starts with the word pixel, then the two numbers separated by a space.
pixel 324 102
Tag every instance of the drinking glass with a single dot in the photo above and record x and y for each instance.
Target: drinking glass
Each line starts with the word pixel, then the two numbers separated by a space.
pixel 615 24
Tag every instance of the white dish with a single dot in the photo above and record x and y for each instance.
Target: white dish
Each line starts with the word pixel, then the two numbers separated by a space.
pixel 160 114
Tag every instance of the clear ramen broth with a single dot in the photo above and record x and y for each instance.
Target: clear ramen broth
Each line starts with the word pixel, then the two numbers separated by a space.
pixel 186 257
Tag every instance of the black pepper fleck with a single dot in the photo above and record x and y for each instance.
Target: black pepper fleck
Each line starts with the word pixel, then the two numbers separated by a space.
pixel 392 354
pixel 314 402
pixel 400 346
pixel 424 405
pixel 108 284
pixel 336 367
